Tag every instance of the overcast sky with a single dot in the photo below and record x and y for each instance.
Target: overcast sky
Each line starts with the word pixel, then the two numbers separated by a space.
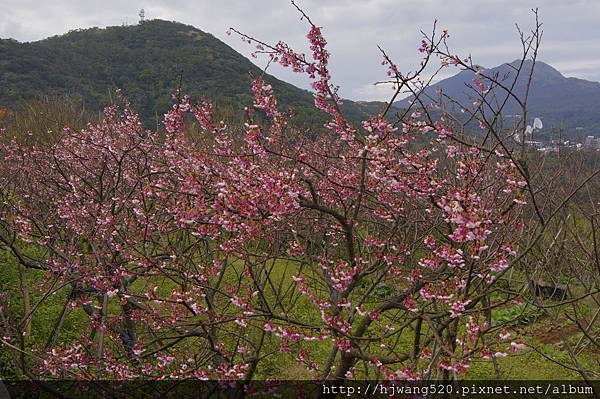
pixel 353 28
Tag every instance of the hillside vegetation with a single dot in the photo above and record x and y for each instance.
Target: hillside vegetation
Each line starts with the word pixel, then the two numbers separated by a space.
pixel 148 62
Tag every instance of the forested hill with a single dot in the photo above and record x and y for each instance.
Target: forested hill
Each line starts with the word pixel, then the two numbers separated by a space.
pixel 147 62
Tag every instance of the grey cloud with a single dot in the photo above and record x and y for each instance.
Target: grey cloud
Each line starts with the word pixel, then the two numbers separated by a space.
pixel 353 29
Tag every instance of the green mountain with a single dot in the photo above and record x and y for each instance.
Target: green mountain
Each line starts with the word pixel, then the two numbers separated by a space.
pixel 147 62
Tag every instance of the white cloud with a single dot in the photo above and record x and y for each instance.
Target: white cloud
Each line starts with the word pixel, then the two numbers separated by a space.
pixel 353 29
pixel 372 92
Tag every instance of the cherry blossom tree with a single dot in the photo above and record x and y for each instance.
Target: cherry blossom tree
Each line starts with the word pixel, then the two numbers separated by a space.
pixel 374 251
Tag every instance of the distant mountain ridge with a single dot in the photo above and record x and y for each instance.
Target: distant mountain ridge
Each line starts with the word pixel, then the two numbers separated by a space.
pixel 559 101
pixel 147 61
